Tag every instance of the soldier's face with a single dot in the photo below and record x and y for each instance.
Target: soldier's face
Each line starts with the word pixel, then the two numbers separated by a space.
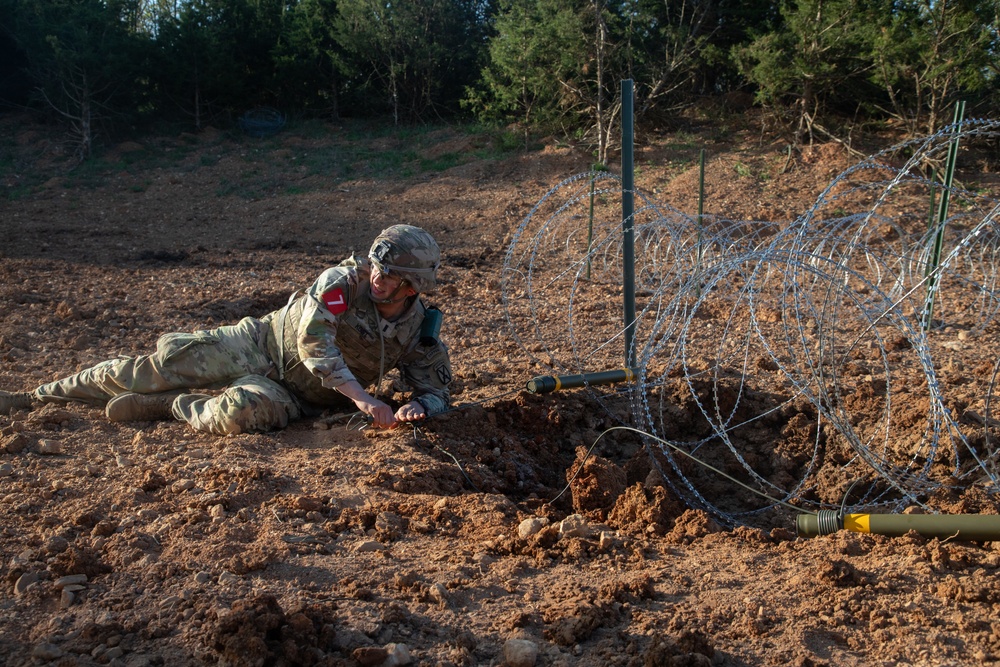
pixel 386 286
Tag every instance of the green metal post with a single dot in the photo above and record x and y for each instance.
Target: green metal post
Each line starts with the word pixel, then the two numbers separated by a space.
pixel 935 259
pixel 628 220
pixel 701 206
pixel 590 223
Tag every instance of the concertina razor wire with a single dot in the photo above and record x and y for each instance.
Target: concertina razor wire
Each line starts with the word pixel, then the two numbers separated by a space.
pixel 750 324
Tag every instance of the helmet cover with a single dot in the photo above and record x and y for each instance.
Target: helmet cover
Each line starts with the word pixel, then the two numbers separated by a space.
pixel 408 252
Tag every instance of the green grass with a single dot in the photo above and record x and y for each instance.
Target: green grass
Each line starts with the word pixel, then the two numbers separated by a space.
pixel 345 151
pixel 682 141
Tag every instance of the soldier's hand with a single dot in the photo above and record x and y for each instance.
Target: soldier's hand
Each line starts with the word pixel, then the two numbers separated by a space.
pixel 411 412
pixel 380 413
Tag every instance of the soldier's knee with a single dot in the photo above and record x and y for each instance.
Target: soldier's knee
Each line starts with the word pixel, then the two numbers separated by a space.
pixel 246 411
pixel 170 345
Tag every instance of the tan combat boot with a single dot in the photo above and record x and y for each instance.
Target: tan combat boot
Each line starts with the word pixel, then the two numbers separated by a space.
pixel 132 407
pixel 18 400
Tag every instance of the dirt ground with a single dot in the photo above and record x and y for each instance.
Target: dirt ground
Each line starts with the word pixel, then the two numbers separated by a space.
pixel 150 544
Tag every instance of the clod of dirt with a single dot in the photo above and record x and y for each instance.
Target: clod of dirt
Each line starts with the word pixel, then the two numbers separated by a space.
pixel 689 650
pixel 597 486
pixel 691 525
pixel 639 510
pixel 258 631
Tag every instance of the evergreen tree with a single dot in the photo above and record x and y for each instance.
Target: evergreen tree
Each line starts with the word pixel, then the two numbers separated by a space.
pixel 415 56
pixel 308 58
pixel 669 46
pixel 929 54
pixel 819 54
pixel 536 58
pixel 15 84
pixel 198 77
pixel 85 62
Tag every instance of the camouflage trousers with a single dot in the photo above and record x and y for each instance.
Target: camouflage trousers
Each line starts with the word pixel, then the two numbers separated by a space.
pixel 231 358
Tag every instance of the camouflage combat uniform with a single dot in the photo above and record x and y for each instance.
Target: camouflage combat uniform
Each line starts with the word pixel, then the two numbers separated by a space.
pixel 275 369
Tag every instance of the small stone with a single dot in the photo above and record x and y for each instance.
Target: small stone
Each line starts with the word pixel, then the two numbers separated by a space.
pixel 197 453
pixel 124 461
pixel 217 511
pixel 520 653
pixel 6 470
pixel 202 577
pixel 369 656
pixel 70 579
pixel 24 582
pixel 66 598
pixel 398 654
pixel 228 578
pixel 575 525
pixel 439 593
pixel 529 527
pixel 182 486
pixel 50 447
pixel 368 545
pixel 15 444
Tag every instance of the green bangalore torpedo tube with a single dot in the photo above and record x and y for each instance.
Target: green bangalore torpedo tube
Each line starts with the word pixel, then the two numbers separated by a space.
pixel 966 527
pixel 544 384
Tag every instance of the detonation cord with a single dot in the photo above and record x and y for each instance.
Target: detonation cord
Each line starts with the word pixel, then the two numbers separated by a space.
pixel 359 421
pixel 416 440
pixel 463 406
pixel 366 422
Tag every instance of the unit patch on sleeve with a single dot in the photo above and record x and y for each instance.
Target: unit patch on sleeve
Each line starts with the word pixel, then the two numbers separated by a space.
pixel 335 301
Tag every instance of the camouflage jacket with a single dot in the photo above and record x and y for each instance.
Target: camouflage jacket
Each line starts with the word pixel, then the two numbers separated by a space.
pixel 333 334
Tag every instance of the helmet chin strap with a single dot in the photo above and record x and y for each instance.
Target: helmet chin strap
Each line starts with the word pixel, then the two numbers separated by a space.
pixel 392 297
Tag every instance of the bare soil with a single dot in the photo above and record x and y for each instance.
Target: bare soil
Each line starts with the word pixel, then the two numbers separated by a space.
pixel 324 544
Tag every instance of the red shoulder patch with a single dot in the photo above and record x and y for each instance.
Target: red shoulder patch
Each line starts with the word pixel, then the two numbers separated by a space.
pixel 335 301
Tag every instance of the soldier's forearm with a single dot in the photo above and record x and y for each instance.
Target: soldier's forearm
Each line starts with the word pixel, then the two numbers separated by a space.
pixel 353 390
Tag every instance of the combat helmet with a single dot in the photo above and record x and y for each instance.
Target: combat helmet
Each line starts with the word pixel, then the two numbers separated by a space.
pixel 408 252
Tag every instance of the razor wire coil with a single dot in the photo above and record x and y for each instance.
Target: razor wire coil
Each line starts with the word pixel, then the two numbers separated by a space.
pixel 751 324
